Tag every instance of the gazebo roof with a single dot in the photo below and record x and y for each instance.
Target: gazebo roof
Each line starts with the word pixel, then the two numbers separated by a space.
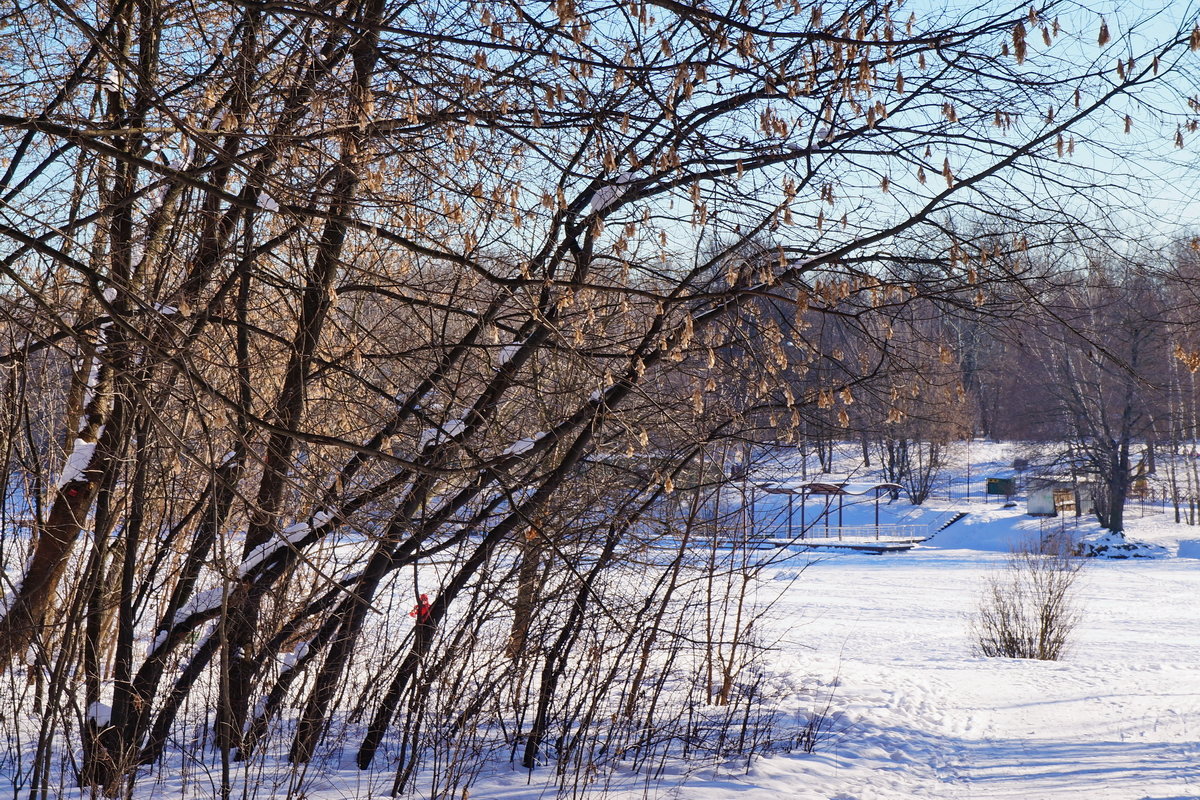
pixel 829 487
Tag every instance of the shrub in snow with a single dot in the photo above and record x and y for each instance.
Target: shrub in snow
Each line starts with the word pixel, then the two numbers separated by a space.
pixel 820 725
pixel 1111 544
pixel 1027 610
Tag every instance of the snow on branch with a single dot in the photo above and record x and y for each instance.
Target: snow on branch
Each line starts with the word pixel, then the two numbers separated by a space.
pixel 607 196
pixel 440 434
pixel 77 463
pixel 509 352
pixel 200 603
pixel 287 537
pixel 524 445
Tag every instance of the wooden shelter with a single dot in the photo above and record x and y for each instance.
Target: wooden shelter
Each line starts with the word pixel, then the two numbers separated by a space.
pixel 829 489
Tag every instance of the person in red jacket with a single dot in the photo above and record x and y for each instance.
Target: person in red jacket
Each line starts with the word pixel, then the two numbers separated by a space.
pixel 421 612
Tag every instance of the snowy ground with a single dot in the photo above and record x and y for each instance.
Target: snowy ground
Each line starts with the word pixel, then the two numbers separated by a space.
pixel 1119 718
pixel 881 644
pixel 883 640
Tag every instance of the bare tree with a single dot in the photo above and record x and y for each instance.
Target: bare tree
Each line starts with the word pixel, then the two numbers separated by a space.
pixel 332 303
pixel 1102 362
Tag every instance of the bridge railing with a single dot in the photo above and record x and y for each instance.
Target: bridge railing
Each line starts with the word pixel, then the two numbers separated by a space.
pixel 864 533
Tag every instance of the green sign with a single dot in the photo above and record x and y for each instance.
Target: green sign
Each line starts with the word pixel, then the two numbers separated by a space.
pixel 1004 486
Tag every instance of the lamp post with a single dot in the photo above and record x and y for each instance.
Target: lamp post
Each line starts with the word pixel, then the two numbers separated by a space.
pixel 969 470
pixel 876 513
pixel 791 499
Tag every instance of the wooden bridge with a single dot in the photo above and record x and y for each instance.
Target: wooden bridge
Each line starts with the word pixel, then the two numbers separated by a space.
pixel 867 538
pixel 877 538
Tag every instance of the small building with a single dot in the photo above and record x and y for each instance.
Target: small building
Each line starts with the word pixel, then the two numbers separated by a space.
pixel 1051 497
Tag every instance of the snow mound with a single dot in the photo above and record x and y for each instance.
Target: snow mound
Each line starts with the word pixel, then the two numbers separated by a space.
pixel 1114 545
pixel 1189 548
pixel 995 529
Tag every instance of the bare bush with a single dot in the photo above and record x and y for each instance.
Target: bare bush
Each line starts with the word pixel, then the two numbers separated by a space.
pixel 1027 610
pixel 821 724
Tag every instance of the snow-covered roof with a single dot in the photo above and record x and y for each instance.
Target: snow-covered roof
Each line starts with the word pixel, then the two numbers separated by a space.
pixel 829 487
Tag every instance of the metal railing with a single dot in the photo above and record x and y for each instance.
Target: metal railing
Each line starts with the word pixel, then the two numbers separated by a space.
pixel 866 533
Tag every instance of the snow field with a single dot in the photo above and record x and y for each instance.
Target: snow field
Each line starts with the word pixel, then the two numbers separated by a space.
pixel 878 648
pixel 882 644
pixel 1117 719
